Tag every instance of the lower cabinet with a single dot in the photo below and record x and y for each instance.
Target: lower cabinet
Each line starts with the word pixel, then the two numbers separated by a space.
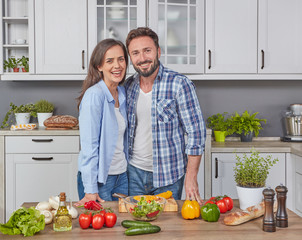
pixel 298 186
pixel 223 181
pixel 39 167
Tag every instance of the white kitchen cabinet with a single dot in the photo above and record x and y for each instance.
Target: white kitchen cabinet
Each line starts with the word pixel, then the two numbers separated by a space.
pixel 298 185
pixel 61 36
pixel 38 167
pixel 17 28
pixel 180 28
pixel 280 36
pixel 231 36
pixel 223 181
pixel 200 180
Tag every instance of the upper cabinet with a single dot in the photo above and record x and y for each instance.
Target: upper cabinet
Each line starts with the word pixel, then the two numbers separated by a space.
pixel 61 36
pixel 17 39
pixel 231 36
pixel 180 28
pixel 280 36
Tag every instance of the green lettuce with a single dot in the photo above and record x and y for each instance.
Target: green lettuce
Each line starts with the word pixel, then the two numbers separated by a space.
pixel 26 221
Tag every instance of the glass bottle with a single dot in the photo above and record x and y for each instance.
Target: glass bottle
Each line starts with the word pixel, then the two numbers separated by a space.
pixel 62 220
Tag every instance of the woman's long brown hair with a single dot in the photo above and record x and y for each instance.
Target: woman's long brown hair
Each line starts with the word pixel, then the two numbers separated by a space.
pixel 97 60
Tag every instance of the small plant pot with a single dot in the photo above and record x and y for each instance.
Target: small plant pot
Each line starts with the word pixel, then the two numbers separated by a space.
pixel 220 136
pixel 247 138
pixel 22 118
pixel 42 117
pixel 249 196
pixel 16 69
pixel 23 70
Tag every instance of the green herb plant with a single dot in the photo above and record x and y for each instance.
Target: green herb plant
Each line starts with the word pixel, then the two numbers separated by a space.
pixel 253 171
pixel 24 63
pixel 12 63
pixel 220 122
pixel 246 122
pixel 27 108
pixel 43 106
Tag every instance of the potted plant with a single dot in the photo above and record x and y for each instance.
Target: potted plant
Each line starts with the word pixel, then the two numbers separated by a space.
pixel 221 125
pixel 11 63
pixel 24 63
pixel 250 175
pixel 43 110
pixel 247 125
pixel 22 114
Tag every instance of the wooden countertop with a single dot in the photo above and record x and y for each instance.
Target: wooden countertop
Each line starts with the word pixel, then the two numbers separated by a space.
pixel 174 227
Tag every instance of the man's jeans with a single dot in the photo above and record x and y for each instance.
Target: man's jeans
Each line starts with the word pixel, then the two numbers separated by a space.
pixel 114 184
pixel 141 183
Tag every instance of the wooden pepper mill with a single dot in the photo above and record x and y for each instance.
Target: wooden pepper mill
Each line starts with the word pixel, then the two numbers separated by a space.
pixel 281 215
pixel 269 224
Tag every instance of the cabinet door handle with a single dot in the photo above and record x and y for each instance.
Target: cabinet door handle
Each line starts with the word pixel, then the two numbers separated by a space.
pixel 42 140
pixel 83 59
pixel 210 59
pixel 216 168
pixel 262 57
pixel 42 159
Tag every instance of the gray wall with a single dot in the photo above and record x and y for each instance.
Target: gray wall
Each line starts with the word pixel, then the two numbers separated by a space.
pixel 269 98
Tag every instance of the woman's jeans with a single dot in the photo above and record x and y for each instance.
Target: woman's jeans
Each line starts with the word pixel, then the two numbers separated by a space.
pixel 141 183
pixel 115 184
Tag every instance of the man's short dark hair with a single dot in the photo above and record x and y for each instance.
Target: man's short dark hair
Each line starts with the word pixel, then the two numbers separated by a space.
pixel 142 32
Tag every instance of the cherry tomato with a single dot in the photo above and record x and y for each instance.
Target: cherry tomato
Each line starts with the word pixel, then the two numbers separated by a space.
pixel 98 221
pixel 85 220
pixel 229 202
pixel 222 206
pixel 110 219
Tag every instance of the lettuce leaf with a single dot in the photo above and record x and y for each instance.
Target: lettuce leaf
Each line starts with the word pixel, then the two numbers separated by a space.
pixel 26 221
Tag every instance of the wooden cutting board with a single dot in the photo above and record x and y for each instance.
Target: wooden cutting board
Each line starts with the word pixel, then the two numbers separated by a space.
pixel 171 205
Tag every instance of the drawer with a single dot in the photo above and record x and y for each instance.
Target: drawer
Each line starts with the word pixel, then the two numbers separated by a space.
pixel 42 144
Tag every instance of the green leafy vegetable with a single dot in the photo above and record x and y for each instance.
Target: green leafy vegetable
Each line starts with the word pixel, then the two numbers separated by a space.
pixel 26 221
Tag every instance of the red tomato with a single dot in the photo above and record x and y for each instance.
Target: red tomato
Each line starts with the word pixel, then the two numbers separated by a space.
pixel 110 219
pixel 212 199
pixel 222 206
pixel 209 201
pixel 103 212
pixel 85 220
pixel 229 202
pixel 98 221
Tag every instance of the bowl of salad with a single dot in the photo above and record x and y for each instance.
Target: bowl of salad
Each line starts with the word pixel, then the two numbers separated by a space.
pixel 145 207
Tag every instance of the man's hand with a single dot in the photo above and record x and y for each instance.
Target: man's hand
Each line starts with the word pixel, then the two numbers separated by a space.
pixel 89 197
pixel 191 184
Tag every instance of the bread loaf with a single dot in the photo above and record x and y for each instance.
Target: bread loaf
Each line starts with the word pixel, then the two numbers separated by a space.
pixel 61 121
pixel 253 212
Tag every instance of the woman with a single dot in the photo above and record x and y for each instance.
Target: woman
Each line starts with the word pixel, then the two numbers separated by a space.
pixel 103 122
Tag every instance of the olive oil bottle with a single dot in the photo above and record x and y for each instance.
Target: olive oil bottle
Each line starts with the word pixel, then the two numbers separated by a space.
pixel 62 220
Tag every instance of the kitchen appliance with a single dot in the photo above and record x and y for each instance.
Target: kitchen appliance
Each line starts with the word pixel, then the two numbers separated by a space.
pixel 293 123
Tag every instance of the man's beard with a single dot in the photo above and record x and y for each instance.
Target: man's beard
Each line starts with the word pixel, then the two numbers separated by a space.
pixel 151 71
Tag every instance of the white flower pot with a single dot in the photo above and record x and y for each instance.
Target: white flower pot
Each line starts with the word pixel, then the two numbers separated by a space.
pixel 22 118
pixel 249 196
pixel 42 117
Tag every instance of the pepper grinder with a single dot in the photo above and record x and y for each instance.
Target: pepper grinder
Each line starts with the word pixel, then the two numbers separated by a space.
pixel 269 224
pixel 281 215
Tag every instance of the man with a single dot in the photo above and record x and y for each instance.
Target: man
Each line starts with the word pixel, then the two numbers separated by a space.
pixel 162 109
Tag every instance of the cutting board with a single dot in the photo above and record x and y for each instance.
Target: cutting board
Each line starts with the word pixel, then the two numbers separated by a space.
pixel 171 205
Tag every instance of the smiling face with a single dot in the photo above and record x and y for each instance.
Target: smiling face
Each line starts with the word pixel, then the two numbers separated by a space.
pixel 144 55
pixel 114 66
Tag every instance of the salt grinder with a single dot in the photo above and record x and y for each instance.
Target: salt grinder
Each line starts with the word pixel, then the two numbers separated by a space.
pixel 281 215
pixel 269 224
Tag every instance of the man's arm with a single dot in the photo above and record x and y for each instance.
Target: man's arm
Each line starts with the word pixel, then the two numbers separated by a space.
pixel 191 184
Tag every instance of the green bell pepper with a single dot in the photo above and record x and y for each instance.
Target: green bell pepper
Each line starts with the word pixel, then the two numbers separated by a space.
pixel 210 212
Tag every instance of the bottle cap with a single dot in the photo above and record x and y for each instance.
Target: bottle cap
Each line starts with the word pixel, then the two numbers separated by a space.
pixel 62 196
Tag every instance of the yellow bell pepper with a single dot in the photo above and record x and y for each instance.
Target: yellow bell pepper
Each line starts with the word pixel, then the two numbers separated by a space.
pixel 190 209
pixel 165 195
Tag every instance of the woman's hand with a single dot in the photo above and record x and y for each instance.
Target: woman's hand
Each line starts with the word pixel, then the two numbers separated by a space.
pixel 89 197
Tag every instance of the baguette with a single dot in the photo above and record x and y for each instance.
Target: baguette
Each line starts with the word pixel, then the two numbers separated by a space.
pixel 239 217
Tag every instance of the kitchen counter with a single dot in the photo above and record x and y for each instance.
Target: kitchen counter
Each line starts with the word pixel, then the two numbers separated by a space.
pixel 175 227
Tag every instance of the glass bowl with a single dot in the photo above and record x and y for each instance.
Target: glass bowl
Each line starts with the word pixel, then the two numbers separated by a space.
pixel 145 207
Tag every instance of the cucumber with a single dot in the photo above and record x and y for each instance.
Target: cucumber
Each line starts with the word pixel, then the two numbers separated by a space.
pixel 131 223
pixel 142 230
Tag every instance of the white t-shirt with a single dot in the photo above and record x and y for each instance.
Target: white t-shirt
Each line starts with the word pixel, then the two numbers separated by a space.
pixel 142 147
pixel 119 162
